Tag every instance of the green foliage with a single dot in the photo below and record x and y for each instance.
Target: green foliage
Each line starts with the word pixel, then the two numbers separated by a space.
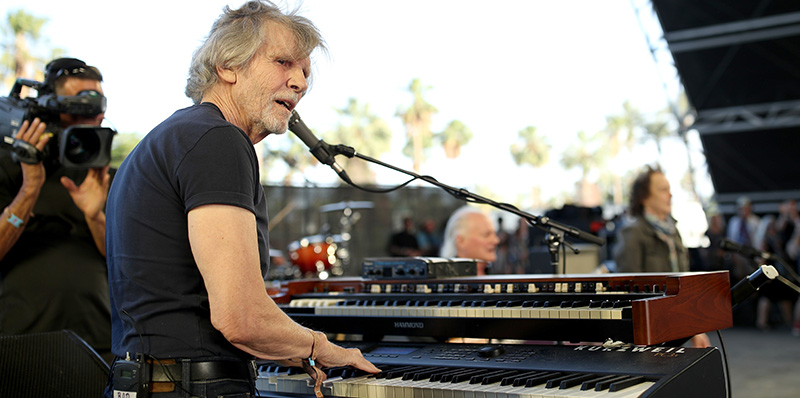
pixel 586 154
pixel 20 31
pixel 417 120
pixel 122 145
pixel 532 149
pixel 453 138
pixel 366 132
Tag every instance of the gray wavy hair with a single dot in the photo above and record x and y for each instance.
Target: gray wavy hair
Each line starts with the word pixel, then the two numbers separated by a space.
pixel 456 225
pixel 236 37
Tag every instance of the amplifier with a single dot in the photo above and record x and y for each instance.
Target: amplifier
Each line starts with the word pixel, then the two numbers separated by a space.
pixel 417 267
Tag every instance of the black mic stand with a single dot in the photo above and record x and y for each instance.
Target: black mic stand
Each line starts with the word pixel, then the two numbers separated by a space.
pixel 751 252
pixel 544 222
pixel 556 241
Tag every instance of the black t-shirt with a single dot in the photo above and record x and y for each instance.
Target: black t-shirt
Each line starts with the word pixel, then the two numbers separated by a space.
pixel 54 277
pixel 159 301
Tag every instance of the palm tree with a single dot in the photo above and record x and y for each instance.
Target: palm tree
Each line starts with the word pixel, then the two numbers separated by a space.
pixel 417 121
pixel 620 134
pixel 454 136
pixel 17 58
pixel 587 154
pixel 366 132
pixel 622 128
pixel 534 150
pixel 658 129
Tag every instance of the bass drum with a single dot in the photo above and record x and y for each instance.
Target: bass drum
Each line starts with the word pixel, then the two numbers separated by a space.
pixel 314 254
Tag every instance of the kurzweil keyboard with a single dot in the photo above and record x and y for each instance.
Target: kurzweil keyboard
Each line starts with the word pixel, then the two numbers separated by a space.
pixel 513 371
pixel 643 309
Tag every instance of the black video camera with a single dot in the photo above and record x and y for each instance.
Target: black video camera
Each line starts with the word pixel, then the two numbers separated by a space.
pixel 77 147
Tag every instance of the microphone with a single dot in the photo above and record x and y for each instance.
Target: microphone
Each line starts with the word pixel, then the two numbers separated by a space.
pixel 749 285
pixel 22 150
pixel 745 250
pixel 319 148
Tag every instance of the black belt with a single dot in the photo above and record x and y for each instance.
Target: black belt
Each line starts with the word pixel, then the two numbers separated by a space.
pixel 202 370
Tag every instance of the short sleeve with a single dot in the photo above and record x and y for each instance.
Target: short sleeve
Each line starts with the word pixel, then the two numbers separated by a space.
pixel 220 169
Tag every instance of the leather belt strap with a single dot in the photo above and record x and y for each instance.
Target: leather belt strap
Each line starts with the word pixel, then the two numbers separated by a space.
pixel 169 371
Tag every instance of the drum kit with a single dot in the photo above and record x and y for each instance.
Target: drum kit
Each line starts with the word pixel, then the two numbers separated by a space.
pixel 325 255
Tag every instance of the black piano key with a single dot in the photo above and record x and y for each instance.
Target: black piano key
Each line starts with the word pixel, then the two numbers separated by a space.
pixel 446 376
pixel 409 375
pixel 566 304
pixel 536 380
pixel 489 303
pixel 514 303
pixel 426 374
pixel 518 379
pixel 396 372
pixel 399 303
pixel 501 303
pixel 589 384
pixel 352 372
pixel 458 378
pixel 575 380
pixel 603 385
pixel 498 376
pixel 556 382
pixel 622 303
pixel 335 372
pixel 580 303
pixel 595 303
pixel 623 384
pixel 478 379
pixel 527 303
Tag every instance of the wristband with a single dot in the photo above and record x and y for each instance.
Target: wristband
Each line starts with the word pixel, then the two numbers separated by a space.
pixel 309 365
pixel 13 219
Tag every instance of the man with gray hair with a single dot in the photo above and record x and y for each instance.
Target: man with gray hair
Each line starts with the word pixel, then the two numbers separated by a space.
pixel 470 234
pixel 187 237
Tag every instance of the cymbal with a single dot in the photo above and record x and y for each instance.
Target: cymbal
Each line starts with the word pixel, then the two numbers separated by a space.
pixel 348 204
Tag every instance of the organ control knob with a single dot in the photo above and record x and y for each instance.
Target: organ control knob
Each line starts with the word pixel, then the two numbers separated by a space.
pixel 491 351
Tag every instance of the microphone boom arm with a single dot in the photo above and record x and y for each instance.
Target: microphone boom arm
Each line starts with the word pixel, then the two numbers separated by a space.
pixel 463 194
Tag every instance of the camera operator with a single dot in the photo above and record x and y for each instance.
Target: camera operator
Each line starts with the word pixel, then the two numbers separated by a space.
pixel 52 229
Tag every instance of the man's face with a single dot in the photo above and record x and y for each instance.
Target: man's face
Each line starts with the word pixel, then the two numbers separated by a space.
pixel 72 86
pixel 269 88
pixel 479 239
pixel 659 202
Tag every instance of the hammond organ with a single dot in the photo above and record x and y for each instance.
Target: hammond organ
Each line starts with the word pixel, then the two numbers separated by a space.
pixel 605 335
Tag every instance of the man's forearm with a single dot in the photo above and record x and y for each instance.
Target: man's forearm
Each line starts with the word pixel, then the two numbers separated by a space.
pixel 97 226
pixel 15 217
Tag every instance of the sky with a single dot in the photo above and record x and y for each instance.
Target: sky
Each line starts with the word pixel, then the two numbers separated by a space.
pixel 499 66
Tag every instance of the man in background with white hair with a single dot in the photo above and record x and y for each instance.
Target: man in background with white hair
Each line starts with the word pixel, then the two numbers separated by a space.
pixel 471 234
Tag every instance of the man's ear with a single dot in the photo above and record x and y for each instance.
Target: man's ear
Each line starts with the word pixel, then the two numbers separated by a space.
pixel 460 241
pixel 227 75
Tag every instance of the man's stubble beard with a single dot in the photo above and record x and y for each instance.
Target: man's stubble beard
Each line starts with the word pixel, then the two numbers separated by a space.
pixel 270 122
